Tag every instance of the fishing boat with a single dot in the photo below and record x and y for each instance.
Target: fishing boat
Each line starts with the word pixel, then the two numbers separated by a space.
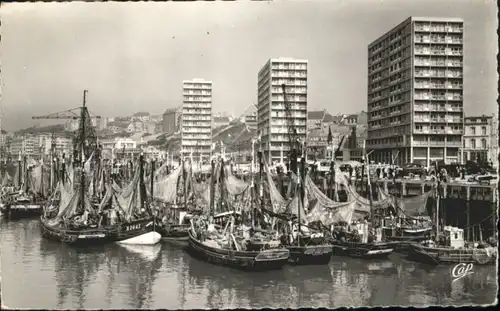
pixel 139 224
pixel 228 246
pixel 356 232
pixel 360 243
pixel 449 246
pixel 79 222
pixel 453 251
pixel 306 247
pixel 25 199
pixel 172 191
pixel 228 252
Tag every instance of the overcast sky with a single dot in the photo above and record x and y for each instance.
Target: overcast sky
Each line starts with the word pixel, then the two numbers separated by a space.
pixel 133 56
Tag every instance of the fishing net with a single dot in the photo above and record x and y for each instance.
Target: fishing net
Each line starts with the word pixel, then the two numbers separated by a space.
pixel 130 196
pixel 279 204
pixel 165 189
pixel 17 184
pixel 70 173
pixel 326 210
pixel 116 187
pixel 6 180
pixel 66 192
pixel 234 185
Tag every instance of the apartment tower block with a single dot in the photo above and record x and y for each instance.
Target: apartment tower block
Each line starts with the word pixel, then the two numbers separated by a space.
pixel 196 120
pixel 272 120
pixel 415 92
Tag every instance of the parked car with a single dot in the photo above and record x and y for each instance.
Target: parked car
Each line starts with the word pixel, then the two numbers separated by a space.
pixel 413 169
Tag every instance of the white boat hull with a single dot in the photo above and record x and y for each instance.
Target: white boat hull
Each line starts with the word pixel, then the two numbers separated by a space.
pixel 150 238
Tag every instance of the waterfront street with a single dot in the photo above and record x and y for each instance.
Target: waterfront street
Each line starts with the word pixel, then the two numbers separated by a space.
pixel 164 276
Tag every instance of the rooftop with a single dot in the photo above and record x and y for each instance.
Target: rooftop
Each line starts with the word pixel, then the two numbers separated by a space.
pixel 315 115
pixel 196 80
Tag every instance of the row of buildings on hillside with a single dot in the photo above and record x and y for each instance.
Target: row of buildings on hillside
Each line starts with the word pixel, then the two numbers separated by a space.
pixel 36 146
pixel 140 122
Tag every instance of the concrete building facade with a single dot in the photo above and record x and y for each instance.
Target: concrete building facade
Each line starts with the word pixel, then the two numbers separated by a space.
pixel 196 124
pixel 415 92
pixel 272 120
pixel 478 142
pixel 251 121
pixel 170 120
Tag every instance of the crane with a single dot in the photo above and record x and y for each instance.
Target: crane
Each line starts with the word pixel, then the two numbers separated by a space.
pixel 295 149
pixel 86 136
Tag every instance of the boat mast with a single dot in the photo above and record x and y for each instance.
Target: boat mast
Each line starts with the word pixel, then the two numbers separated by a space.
pixel 252 185
pixel 212 188
pixel 437 209
pixel 152 177
pixel 82 146
pixel 25 166
pixel 222 186
pixel 300 202
pixel 368 182
pixel 20 171
pixel 141 181
pixel 261 184
pixel 184 175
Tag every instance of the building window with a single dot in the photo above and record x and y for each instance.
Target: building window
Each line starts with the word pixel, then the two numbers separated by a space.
pixel 473 143
pixel 483 143
pixel 483 130
pixel 473 130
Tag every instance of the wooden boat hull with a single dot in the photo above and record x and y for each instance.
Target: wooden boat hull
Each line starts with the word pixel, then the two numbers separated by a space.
pixel 363 250
pixel 76 237
pixel 177 234
pixel 21 211
pixel 310 254
pixel 273 259
pixel 402 244
pixel 449 256
pixel 97 236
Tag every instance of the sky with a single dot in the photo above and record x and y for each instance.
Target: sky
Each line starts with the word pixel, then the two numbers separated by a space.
pixel 133 56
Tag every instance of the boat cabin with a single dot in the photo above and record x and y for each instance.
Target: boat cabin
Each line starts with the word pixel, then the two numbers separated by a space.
pixel 178 214
pixel 454 236
pixel 222 218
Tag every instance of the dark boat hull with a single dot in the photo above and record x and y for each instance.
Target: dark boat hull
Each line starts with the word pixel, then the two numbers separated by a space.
pixel 97 236
pixel 243 260
pixel 21 211
pixel 76 237
pixel 363 250
pixel 402 244
pixel 310 254
pixel 448 256
pixel 177 234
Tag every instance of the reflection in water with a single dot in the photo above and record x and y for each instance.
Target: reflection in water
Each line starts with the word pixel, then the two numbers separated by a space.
pixel 133 267
pixel 164 276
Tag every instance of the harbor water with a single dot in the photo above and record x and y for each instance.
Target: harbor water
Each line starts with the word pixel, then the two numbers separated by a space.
pixel 37 273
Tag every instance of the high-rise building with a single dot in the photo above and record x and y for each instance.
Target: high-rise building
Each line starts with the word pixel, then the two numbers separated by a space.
pixel 415 92
pixel 170 120
pixel 272 120
pixel 196 124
